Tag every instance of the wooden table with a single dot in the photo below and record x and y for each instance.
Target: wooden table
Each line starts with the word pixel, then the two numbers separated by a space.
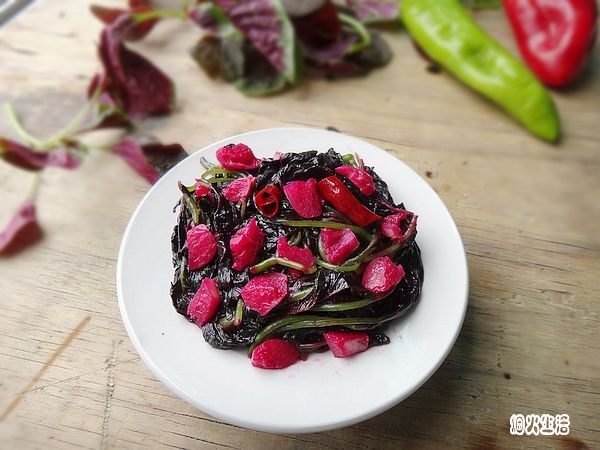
pixel 528 213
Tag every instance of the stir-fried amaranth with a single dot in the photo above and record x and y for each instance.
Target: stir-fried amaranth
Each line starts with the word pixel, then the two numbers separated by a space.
pixel 299 253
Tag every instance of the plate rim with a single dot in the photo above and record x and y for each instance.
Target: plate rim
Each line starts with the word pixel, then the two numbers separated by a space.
pixel 220 415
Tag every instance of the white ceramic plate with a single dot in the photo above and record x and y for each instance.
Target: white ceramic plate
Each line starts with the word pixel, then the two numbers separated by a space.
pixel 323 392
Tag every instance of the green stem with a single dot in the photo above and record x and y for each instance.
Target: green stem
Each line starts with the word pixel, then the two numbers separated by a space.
pixel 275 260
pixel 72 127
pixel 361 30
pixel 298 322
pixel 206 163
pixel 239 313
pixel 21 132
pixel 323 224
pixel 300 295
pixel 347 306
pixel 193 209
pixel 350 159
pixel 343 268
pixel 160 14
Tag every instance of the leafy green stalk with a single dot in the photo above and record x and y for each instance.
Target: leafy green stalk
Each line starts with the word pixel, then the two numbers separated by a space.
pixel 275 260
pixel 325 224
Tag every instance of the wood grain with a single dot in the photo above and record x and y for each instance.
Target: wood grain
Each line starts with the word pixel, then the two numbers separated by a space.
pixel 528 213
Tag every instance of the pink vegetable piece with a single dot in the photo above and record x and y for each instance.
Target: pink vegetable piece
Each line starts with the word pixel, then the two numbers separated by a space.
pixel 275 354
pixel 343 344
pixel 265 292
pixel 294 253
pixel 246 244
pixel 238 191
pixel 202 189
pixel 202 246
pixel 203 307
pixel 399 227
pixel 381 275
pixel 359 177
pixel 338 245
pixel 304 198
pixel 237 157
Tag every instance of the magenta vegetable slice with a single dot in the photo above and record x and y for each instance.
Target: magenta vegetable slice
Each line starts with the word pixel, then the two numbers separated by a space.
pixel 343 344
pixel 359 177
pixel 246 244
pixel 202 246
pixel 304 198
pixel 399 227
pixel 381 275
pixel 237 157
pixel 203 306
pixel 294 253
pixel 202 189
pixel 265 292
pixel 338 245
pixel 238 191
pixel 275 354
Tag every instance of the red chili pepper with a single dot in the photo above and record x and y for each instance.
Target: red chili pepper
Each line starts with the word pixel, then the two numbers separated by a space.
pixel 267 200
pixel 554 36
pixel 335 192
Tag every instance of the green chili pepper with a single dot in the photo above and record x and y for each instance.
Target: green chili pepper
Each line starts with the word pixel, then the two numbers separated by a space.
pixel 447 33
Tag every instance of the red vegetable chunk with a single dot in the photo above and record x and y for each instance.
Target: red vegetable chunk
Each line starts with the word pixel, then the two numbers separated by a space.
pixel 203 307
pixel 294 253
pixel 359 177
pixel 337 245
pixel 399 227
pixel 265 292
pixel 275 354
pixel 237 157
pixel 304 198
pixel 343 344
pixel 246 244
pixel 202 246
pixel 381 275
pixel 238 191
pixel 202 189
pixel 267 200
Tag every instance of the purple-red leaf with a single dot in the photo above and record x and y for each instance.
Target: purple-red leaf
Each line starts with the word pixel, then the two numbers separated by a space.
pixel 149 160
pixel 21 231
pixel 133 83
pixel 26 158
pixel 136 31
pixel 267 26
pixel 372 11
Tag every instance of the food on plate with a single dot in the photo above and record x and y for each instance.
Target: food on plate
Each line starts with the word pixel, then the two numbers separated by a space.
pixel 299 253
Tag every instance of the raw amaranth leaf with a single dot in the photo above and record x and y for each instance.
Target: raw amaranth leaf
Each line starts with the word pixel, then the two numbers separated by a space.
pixel 134 84
pixel 26 158
pixel 266 25
pixel 374 11
pixel 150 160
pixel 21 231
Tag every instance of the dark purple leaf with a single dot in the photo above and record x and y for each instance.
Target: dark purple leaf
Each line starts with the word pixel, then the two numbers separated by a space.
pixel 21 231
pixel 372 11
pixel 29 159
pixel 149 160
pixel 136 85
pixel 267 26
pixel 220 57
pixel 321 28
